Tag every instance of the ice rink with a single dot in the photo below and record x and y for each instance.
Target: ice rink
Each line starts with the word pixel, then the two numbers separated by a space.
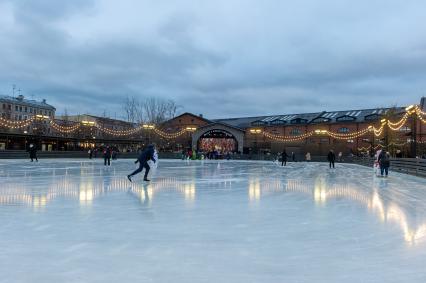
pixel 77 221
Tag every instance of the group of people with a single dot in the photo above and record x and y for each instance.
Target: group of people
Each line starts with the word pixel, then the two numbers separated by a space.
pixel 331 157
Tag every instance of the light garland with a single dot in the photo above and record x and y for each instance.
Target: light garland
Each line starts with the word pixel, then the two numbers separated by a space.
pixel 288 138
pixel 171 136
pixel 395 126
pixel 64 129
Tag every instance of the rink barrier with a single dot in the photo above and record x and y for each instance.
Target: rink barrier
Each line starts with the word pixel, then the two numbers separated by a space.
pixel 411 166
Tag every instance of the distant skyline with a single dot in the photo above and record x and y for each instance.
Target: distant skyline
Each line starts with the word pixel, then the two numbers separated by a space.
pixel 222 58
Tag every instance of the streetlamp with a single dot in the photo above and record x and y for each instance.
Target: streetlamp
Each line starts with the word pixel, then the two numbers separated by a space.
pixel 411 110
pixel 149 128
pixel 256 133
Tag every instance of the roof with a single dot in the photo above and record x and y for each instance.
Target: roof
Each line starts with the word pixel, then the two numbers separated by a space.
pixel 189 114
pixel 358 115
pixel 21 100
pixel 223 124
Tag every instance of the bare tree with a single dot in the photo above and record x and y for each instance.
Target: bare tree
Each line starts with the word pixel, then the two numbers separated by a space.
pixel 151 110
pixel 158 110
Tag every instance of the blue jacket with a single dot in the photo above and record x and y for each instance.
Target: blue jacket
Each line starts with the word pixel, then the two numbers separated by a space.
pixel 147 154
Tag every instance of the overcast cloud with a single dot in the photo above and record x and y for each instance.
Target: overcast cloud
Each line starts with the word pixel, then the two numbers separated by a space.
pixel 222 58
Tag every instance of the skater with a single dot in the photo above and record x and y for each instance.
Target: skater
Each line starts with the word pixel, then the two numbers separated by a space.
pixel 33 153
pixel 107 156
pixel 143 159
pixel 384 162
pixel 90 153
pixel 340 156
pixel 284 157
pixel 308 156
pixel 331 157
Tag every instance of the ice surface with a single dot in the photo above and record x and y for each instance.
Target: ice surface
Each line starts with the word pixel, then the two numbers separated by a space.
pixel 77 221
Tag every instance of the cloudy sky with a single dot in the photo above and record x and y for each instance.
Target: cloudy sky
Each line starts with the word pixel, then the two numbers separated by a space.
pixel 222 58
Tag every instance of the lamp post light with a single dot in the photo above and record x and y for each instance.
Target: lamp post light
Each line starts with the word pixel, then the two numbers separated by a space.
pixel 149 128
pixel 256 133
pixel 411 110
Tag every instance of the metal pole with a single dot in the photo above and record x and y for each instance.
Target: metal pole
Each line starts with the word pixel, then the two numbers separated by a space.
pixel 414 137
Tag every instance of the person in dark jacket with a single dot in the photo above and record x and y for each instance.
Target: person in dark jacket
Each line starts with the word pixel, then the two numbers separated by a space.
pixel 331 157
pixel 144 157
pixel 284 157
pixel 107 156
pixel 384 162
pixel 33 153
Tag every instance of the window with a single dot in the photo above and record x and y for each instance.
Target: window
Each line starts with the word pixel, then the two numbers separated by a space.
pixel 9 107
pixel 20 117
pixel 25 117
pixel 371 117
pixel 4 106
pixel 295 132
pixel 259 123
pixel 278 122
pixel 343 130
pixel 345 118
pixel 16 117
pixel 3 115
pixel 20 108
pixel 321 120
pixel 16 108
pixel 298 121
pixel 31 110
pixel 26 109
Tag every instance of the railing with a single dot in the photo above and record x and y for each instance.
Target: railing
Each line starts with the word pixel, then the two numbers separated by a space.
pixel 412 166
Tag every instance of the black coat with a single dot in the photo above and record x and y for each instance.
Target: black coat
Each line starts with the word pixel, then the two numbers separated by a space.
pixel 33 151
pixel 284 155
pixel 383 159
pixel 331 157
pixel 147 154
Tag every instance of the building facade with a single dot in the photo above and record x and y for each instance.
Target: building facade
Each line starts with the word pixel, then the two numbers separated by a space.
pixel 350 132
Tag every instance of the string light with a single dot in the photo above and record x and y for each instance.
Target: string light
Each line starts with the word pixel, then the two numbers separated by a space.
pixel 395 126
pixel 288 138
pixel 64 129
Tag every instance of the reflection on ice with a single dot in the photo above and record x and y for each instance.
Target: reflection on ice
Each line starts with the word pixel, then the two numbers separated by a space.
pixel 255 212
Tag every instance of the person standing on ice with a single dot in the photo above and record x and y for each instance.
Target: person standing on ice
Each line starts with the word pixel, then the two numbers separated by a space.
pixel 384 162
pixel 144 157
pixel 308 156
pixel 284 157
pixel 331 157
pixel 107 156
pixel 33 153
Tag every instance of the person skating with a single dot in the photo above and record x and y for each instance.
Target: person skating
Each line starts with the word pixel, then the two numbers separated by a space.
pixel 308 156
pixel 284 157
pixel 143 159
pixel 384 162
pixel 107 156
pixel 33 153
pixel 331 157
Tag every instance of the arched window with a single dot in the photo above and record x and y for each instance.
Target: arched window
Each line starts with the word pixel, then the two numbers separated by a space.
pixel 343 130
